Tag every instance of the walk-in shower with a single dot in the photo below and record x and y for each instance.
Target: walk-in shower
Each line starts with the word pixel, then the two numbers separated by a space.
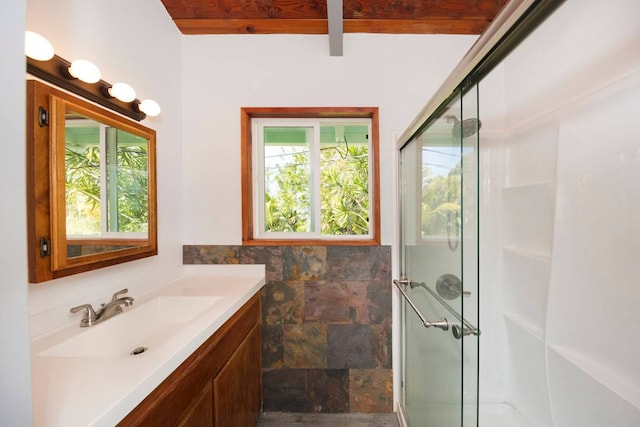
pixel 520 238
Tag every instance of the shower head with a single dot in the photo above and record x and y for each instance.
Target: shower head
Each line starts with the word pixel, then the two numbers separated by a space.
pixel 469 126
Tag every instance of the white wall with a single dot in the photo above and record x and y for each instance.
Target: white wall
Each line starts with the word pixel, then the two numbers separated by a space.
pixel 397 73
pixel 564 246
pixel 201 83
pixel 592 313
pixel 15 380
pixel 135 42
pixel 221 74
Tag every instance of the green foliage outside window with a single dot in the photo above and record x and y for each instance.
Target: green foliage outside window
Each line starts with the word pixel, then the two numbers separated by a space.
pixel 344 192
pixel 287 196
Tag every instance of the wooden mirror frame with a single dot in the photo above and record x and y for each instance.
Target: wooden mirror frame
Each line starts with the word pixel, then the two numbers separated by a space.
pixel 46 210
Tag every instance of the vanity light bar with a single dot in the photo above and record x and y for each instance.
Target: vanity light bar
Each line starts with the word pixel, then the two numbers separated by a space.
pixel 85 70
pixel 37 47
pixel 55 71
pixel 83 78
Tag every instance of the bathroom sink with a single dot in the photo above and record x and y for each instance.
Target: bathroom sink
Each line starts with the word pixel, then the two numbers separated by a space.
pixel 141 330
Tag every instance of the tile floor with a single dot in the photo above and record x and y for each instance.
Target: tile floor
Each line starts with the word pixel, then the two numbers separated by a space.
pixel 281 419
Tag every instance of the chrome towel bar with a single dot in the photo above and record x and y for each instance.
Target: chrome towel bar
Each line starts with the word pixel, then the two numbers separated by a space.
pixel 441 323
pixel 466 328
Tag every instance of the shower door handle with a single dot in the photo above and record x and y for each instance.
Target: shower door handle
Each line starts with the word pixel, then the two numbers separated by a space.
pixel 460 331
pixel 441 323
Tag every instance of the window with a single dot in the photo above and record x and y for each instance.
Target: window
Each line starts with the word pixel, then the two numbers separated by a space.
pixel 310 176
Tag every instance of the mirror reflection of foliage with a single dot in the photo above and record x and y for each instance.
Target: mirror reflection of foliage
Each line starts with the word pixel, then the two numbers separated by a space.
pixel 132 187
pixel 440 201
pixel 83 189
pixel 344 193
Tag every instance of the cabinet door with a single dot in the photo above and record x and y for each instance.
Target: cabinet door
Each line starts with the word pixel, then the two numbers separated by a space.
pixel 201 411
pixel 237 388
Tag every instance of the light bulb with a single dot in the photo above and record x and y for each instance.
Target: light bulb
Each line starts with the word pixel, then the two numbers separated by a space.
pixel 37 47
pixel 149 107
pixel 85 70
pixel 123 92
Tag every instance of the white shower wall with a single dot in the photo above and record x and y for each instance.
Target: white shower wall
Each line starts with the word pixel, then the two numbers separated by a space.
pixel 559 209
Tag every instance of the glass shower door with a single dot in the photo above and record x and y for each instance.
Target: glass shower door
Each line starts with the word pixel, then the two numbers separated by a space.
pixel 439 234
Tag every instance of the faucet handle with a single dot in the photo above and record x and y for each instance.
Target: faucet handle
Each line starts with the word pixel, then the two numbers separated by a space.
pixel 90 315
pixel 120 292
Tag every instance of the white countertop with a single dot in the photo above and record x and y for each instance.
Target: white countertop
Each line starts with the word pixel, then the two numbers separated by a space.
pixel 91 391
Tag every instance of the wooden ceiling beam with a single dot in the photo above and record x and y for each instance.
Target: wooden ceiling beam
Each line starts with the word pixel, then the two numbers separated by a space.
pixel 310 16
pixel 416 26
pixel 320 26
pixel 252 26
pixel 317 9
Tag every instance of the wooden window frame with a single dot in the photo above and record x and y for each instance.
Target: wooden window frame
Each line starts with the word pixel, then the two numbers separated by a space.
pixel 247 114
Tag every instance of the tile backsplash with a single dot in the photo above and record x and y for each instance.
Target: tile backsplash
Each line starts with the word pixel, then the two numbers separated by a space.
pixel 326 324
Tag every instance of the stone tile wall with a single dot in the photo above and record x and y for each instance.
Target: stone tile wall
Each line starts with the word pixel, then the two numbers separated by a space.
pixel 326 324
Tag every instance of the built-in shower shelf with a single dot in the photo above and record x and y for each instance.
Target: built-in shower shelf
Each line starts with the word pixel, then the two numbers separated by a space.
pixel 523 253
pixel 525 325
pixel 615 383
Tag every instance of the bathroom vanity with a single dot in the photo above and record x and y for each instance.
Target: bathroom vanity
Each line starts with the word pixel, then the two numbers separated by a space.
pixel 219 384
pixel 189 354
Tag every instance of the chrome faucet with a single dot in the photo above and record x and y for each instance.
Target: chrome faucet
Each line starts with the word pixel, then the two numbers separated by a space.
pixel 106 311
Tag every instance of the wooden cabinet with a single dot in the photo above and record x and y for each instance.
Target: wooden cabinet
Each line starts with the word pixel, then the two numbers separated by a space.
pixel 200 413
pixel 218 385
pixel 237 387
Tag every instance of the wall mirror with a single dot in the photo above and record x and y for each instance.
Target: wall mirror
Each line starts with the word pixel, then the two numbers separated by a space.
pixel 91 185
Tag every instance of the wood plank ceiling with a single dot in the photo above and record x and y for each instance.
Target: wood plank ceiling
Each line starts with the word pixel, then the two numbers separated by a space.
pixel 310 16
